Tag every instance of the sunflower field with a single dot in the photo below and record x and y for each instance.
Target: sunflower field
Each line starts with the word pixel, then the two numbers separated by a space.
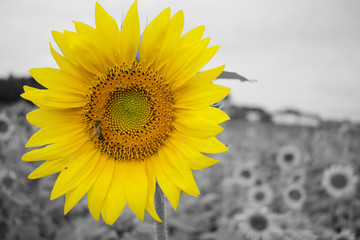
pixel 274 182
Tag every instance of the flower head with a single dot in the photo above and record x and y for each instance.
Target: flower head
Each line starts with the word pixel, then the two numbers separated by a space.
pixel 288 157
pixel 246 174
pixel 294 196
pixel 258 224
pixel 260 195
pixel 6 127
pixel 115 124
pixel 339 181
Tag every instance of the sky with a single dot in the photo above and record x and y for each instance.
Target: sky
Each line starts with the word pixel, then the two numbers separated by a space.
pixel 303 54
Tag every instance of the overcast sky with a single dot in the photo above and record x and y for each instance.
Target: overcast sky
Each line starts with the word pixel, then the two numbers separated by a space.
pixel 304 54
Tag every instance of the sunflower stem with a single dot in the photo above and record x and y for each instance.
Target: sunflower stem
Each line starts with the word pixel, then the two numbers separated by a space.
pixel 161 233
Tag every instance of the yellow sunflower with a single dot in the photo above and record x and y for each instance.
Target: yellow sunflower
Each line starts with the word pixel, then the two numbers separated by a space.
pixel 115 124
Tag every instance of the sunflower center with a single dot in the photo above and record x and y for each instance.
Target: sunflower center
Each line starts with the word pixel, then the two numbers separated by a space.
pixel 129 112
pixel 258 222
pixel 289 157
pixel 295 195
pixel 3 126
pixel 339 180
pixel 259 196
pixel 245 174
pixel 129 109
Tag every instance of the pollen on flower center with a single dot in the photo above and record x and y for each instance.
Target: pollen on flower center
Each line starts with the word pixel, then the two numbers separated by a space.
pixel 129 112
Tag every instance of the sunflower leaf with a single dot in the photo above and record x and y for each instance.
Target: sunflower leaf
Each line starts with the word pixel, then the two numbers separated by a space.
pixel 234 75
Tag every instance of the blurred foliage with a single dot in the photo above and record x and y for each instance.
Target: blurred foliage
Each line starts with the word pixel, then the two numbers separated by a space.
pixel 27 213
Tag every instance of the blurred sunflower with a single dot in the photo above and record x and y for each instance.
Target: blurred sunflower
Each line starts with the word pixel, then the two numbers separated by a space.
pixel 260 195
pixel 258 224
pixel 8 179
pixel 339 181
pixel 294 196
pixel 246 174
pixel 288 157
pixel 6 127
pixel 344 235
pixel 116 124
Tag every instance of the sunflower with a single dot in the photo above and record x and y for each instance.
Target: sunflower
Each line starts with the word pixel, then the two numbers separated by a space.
pixel 294 196
pixel 258 224
pixel 8 179
pixel 288 157
pixel 246 174
pixel 6 127
pixel 121 115
pixel 260 195
pixel 339 181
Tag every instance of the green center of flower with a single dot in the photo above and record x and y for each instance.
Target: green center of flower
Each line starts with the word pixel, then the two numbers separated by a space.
pixel 295 195
pixel 129 113
pixel 258 222
pixel 129 109
pixel 339 180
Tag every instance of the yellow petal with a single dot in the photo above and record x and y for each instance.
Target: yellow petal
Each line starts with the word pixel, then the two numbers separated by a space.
pixel 171 191
pixel 195 159
pixel 53 99
pixel 51 135
pixel 136 187
pixel 64 47
pixel 196 127
pixel 115 200
pixel 130 35
pixel 207 114
pixel 74 196
pixel 77 171
pixel 97 193
pixel 192 65
pixel 57 150
pixel 173 34
pixel 178 171
pixel 153 38
pixel 86 53
pixel 48 168
pixel 211 145
pixel 182 61
pixel 150 207
pixel 205 77
pixel 206 145
pixel 97 40
pixel 109 33
pixel 53 117
pixel 71 68
pixel 201 96
pixel 192 36
pixel 56 79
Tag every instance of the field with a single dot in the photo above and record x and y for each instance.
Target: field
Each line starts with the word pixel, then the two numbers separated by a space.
pixel 275 182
